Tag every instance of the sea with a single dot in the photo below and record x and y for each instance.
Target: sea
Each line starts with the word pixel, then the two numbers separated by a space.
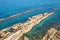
pixel 12 7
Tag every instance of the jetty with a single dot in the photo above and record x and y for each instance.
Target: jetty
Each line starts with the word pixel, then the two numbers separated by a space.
pixel 16 31
pixel 18 14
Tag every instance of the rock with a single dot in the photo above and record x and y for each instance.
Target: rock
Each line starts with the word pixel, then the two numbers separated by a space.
pixel 52 34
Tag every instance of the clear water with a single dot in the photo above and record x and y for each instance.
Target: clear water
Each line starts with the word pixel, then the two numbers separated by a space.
pixel 11 7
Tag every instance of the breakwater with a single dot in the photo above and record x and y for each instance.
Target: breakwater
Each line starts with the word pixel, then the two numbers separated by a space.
pixel 15 15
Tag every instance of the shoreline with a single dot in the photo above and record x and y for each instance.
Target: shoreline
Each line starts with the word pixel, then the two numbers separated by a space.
pixel 21 28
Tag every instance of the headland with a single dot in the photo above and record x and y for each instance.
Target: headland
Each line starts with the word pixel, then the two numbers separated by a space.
pixel 16 31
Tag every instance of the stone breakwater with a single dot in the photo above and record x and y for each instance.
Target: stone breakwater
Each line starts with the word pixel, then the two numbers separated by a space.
pixel 15 15
pixel 28 11
pixel 16 31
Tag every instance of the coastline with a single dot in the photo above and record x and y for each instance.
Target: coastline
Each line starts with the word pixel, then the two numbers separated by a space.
pixel 27 26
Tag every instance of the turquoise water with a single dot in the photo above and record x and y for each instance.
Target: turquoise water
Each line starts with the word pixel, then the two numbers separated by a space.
pixel 11 7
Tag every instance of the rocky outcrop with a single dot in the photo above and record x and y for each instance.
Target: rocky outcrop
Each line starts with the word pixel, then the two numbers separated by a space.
pixel 19 29
pixel 52 34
